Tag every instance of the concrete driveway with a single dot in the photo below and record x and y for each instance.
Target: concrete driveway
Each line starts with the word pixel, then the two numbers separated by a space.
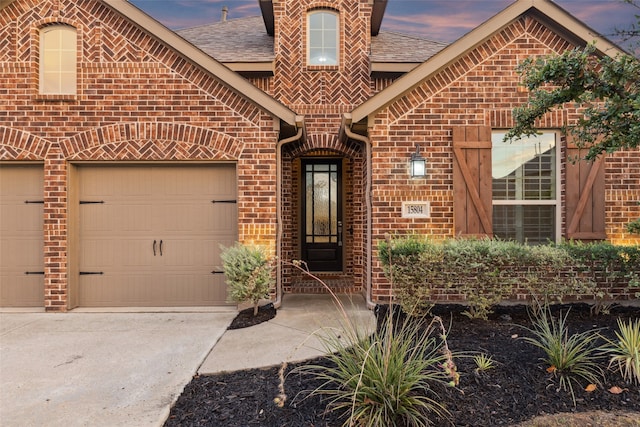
pixel 100 369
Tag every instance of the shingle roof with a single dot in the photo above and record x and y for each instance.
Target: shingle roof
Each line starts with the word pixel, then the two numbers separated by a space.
pixel 235 40
pixel 246 40
pixel 396 47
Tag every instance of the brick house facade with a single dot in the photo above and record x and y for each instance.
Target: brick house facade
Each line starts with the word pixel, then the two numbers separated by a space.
pixel 169 145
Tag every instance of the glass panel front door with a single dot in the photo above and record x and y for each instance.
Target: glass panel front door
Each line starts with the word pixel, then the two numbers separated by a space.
pixel 322 215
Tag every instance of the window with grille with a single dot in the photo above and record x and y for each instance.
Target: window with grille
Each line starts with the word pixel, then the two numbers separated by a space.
pixel 322 38
pixel 526 188
pixel 58 52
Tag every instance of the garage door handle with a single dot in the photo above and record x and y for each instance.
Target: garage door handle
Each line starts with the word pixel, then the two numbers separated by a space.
pixel 160 247
pixel 154 248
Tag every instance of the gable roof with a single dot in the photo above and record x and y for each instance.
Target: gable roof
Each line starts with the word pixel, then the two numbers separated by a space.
pixel 231 79
pixel 241 44
pixel 551 13
pixel 228 77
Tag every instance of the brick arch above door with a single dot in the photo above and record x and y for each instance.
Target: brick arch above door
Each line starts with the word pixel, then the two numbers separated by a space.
pixel 151 141
pixel 313 142
pixel 16 144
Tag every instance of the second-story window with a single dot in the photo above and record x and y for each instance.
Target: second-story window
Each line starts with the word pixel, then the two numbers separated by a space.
pixel 322 38
pixel 58 51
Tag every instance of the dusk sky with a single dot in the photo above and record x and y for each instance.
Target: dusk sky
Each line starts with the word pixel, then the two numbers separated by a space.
pixel 435 19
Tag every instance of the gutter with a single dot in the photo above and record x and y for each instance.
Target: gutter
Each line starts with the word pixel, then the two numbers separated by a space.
pixel 345 127
pixel 300 125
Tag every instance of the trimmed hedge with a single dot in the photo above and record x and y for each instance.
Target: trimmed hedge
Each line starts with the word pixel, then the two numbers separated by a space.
pixel 485 272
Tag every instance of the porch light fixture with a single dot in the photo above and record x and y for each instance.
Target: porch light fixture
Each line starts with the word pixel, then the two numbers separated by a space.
pixel 418 164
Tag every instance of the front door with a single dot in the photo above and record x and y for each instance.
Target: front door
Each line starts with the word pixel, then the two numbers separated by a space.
pixel 322 215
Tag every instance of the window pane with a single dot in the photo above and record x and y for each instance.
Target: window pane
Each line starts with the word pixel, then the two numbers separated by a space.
pixel 322 38
pixel 524 169
pixel 329 21
pixel 58 60
pixel 533 224
pixel 68 83
pixel 67 61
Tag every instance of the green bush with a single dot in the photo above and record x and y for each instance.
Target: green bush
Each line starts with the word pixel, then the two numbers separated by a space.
pixel 614 263
pixel 483 271
pixel 248 272
pixel 414 266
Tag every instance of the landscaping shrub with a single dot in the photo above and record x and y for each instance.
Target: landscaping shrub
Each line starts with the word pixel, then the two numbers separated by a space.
pixel 608 264
pixel 483 272
pixel 414 266
pixel 248 272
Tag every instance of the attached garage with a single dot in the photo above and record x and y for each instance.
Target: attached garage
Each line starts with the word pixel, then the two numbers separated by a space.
pixel 150 235
pixel 21 235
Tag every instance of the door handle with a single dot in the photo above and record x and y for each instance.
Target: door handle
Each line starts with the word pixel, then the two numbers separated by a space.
pixel 160 247
pixel 339 233
pixel 154 248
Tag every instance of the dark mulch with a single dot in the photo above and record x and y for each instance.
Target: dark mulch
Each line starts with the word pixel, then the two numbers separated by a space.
pixel 245 318
pixel 518 389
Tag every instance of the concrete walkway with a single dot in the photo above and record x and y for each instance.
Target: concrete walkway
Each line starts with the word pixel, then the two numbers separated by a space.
pixel 293 335
pixel 127 369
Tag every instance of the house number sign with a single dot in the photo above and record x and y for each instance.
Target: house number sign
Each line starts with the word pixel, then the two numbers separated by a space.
pixel 415 209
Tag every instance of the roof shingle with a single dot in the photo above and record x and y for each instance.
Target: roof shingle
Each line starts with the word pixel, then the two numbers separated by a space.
pixel 246 40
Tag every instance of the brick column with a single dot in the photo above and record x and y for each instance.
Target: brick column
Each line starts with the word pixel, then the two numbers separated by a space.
pixel 55 232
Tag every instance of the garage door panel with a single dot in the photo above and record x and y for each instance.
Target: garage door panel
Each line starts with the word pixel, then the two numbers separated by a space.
pixel 22 254
pixel 21 236
pixel 174 209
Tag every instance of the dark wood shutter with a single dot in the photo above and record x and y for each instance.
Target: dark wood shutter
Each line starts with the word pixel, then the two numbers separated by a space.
pixel 472 182
pixel 585 190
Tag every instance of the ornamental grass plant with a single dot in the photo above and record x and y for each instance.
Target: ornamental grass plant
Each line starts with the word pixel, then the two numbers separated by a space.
pixel 625 352
pixel 570 357
pixel 387 379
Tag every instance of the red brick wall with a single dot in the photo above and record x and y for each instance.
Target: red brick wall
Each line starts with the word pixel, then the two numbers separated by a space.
pixel 136 100
pixel 480 88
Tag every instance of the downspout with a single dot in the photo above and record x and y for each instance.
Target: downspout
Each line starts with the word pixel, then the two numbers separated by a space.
pixel 346 127
pixel 300 125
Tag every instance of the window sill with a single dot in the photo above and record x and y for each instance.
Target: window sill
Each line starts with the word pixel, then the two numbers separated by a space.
pixel 323 68
pixel 56 97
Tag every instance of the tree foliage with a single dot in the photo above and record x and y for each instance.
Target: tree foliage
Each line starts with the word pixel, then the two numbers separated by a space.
pixel 606 89
pixel 629 36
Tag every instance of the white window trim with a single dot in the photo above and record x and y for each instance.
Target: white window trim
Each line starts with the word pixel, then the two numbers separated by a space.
pixel 61 72
pixel 337 35
pixel 548 202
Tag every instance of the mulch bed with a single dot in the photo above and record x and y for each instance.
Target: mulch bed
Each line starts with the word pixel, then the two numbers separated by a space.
pixel 518 389
pixel 245 318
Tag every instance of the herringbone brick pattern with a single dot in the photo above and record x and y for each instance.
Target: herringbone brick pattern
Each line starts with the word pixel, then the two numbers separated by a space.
pixel 151 141
pixel 297 83
pixel 19 145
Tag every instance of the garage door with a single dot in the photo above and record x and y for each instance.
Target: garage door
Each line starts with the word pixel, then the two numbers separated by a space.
pixel 150 235
pixel 21 236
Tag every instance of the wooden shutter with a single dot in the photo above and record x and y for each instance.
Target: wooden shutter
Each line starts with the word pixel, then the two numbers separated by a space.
pixel 472 182
pixel 585 191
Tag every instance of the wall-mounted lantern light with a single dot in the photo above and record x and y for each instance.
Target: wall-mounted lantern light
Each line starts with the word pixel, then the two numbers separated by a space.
pixel 418 164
